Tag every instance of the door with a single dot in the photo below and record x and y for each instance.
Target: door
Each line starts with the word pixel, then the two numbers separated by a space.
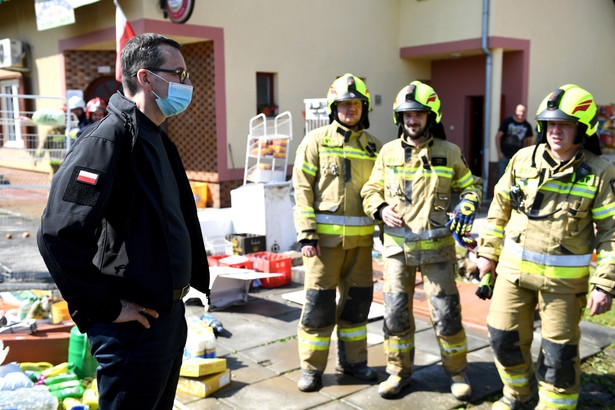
pixel 474 141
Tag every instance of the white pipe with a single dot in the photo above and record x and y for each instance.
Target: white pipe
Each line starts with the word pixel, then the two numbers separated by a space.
pixel 487 124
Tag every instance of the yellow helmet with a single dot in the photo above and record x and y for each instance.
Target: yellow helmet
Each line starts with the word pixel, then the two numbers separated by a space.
pixel 348 87
pixel 417 96
pixel 569 103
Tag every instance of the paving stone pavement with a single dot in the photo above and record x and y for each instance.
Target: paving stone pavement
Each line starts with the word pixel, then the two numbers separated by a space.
pixel 260 346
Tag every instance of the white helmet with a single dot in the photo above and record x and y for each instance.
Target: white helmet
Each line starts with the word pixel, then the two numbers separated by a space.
pixel 76 102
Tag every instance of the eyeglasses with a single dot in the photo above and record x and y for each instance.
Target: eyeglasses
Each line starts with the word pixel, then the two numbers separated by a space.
pixel 181 73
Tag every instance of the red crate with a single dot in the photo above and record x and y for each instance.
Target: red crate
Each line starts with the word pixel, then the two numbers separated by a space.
pixel 215 261
pixel 272 263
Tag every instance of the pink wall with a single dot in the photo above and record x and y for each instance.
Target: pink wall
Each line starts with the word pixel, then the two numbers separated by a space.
pixel 454 80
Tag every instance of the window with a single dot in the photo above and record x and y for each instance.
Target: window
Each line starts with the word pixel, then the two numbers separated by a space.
pixel 265 94
pixel 9 110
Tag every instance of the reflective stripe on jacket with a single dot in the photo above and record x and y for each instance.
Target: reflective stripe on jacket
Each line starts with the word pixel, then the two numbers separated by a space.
pixel 550 236
pixel 331 166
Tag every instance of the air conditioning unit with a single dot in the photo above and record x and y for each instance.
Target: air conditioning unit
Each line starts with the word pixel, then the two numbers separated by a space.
pixel 12 55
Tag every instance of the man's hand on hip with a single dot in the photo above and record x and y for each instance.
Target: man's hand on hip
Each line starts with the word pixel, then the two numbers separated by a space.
pixel 134 312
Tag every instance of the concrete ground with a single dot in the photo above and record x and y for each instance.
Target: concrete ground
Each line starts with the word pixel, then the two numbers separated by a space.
pixel 261 351
pixel 260 346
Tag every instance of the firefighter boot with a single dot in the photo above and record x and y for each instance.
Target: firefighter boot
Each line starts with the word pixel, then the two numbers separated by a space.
pixel 310 380
pixel 506 403
pixel 360 372
pixel 460 387
pixel 392 386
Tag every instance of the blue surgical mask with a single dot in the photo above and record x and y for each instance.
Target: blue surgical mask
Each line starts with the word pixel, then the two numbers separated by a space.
pixel 178 98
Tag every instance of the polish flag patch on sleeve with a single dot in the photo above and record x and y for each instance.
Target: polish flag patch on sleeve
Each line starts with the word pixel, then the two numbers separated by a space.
pixel 87 177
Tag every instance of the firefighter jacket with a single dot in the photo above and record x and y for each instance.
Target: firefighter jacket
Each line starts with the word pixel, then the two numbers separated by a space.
pixel 419 181
pixel 545 212
pixel 331 166
pixel 104 234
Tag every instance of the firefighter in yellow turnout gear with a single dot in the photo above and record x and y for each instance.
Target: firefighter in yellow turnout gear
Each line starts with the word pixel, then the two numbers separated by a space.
pixel 336 237
pixel 540 230
pixel 410 190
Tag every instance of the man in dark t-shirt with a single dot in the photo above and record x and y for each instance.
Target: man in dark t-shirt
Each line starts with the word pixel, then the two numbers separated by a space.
pixel 514 133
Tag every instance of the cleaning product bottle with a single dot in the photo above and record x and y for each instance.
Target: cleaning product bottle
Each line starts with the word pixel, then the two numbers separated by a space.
pixel 90 396
pixel 57 370
pixel 210 342
pixel 195 343
pixel 61 378
pixel 76 392
pixel 65 385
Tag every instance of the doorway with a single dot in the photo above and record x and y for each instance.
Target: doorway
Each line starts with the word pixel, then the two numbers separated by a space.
pixel 475 108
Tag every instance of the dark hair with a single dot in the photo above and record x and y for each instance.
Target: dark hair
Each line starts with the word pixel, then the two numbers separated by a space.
pixel 142 51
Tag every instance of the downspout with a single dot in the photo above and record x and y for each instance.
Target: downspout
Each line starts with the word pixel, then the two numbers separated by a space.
pixel 487 125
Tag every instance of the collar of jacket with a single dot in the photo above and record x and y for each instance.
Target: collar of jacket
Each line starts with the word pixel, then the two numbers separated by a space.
pixel 126 110
pixel 428 141
pixel 346 132
pixel 554 165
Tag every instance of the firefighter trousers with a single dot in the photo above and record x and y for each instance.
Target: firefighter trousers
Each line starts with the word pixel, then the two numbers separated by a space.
pixel 349 272
pixel 445 311
pixel 511 327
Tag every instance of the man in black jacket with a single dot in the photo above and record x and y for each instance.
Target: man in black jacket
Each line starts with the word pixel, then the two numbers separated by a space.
pixel 120 234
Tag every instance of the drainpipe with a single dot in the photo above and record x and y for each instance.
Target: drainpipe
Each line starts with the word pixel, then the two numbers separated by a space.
pixel 487 125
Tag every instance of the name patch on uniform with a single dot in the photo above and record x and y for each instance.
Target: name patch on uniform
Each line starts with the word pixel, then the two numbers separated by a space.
pixel 586 180
pixel 438 161
pixel 526 172
pixel 332 142
pixel 392 161
pixel 87 177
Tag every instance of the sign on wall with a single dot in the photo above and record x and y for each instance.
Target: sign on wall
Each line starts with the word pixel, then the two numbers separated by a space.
pixel 178 11
pixel 53 13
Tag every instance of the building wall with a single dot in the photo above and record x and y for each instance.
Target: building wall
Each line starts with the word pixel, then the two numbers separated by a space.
pixel 308 44
pixel 439 21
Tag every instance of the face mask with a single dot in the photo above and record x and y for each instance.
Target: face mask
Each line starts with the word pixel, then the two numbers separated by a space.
pixel 178 99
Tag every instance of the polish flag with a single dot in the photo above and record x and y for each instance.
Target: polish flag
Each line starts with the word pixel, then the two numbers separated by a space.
pixel 87 177
pixel 123 33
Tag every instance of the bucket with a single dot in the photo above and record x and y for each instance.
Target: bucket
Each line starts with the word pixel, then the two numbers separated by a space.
pixel 59 312
pixel 79 354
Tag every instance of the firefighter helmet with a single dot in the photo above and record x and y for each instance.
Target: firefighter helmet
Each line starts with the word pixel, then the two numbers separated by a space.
pixel 96 104
pixel 76 102
pixel 348 87
pixel 569 103
pixel 417 96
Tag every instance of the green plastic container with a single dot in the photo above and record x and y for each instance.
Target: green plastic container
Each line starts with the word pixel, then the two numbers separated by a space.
pixel 79 354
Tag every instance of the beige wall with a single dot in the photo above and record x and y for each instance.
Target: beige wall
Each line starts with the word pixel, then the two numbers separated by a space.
pixel 309 43
pixel 571 42
pixel 439 21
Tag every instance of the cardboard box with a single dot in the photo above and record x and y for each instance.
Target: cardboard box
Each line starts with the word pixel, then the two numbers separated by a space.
pixel 198 366
pixel 247 243
pixel 206 385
